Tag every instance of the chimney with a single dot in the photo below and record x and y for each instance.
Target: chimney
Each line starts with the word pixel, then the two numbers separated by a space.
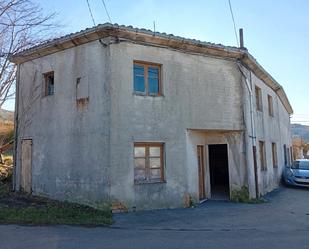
pixel 241 38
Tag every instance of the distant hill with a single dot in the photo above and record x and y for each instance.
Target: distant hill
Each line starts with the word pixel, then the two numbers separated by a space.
pixel 301 130
pixel 6 116
pixel 6 121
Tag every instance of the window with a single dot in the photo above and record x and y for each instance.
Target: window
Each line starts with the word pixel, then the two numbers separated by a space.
pixel 49 83
pixel 147 78
pixel 274 153
pixel 148 162
pixel 258 98
pixel 270 106
pixel 262 155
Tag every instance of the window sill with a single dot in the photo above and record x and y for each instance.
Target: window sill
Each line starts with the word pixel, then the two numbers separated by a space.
pixel 145 95
pixel 148 182
pixel 48 96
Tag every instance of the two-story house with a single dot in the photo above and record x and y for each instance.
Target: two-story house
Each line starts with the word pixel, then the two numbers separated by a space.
pixel 120 114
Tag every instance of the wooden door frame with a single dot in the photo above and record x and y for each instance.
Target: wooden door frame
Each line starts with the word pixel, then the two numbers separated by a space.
pixel 201 171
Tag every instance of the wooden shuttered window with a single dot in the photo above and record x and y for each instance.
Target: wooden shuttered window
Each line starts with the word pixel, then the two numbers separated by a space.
pixel 148 162
pixel 274 155
pixel 262 155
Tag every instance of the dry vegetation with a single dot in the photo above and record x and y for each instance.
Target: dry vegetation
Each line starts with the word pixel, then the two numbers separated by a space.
pixel 22 25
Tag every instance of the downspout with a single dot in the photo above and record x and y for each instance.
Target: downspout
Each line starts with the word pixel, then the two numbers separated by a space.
pixel 249 87
pixel 253 130
pixel 279 126
pixel 16 126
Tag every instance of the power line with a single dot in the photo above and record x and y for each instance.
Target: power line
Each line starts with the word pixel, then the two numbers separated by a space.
pixel 232 14
pixel 90 12
pixel 109 18
pixel 300 116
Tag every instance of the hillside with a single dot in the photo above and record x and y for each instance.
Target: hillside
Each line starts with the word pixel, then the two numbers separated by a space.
pixel 6 117
pixel 6 121
pixel 301 130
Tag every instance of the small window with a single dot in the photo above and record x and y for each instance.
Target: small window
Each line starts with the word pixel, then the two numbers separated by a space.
pixel 270 106
pixel 148 162
pixel 258 98
pixel 49 83
pixel 147 78
pixel 274 154
pixel 262 156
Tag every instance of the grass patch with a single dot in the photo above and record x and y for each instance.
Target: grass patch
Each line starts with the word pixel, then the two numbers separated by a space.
pixel 18 208
pixel 70 215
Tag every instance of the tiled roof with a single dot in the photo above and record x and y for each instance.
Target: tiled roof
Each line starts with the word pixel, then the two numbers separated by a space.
pixel 124 27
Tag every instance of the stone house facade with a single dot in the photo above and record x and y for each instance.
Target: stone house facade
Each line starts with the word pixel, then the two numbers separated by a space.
pixel 119 114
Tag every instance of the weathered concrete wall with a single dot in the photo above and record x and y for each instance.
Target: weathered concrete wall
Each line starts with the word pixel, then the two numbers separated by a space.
pixel 199 93
pixel 70 143
pixel 270 129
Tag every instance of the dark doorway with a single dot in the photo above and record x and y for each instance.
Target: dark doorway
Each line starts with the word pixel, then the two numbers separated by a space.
pixel 219 171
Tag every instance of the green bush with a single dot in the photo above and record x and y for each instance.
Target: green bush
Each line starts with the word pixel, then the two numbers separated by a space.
pixel 242 196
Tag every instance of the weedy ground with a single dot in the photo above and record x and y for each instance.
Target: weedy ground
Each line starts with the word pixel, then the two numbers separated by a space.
pixel 20 208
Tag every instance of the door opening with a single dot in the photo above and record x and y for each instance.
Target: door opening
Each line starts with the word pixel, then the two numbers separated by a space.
pixel 219 171
pixel 201 171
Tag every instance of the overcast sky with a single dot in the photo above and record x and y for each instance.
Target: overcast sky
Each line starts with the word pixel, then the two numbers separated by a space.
pixel 276 32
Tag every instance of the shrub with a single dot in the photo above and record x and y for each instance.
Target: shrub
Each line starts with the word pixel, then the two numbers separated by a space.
pixel 8 161
pixel 242 195
pixel 6 173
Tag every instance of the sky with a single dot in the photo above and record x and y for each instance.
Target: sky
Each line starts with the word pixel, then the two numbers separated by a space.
pixel 276 32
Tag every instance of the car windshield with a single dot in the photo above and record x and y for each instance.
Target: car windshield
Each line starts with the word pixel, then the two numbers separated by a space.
pixel 301 165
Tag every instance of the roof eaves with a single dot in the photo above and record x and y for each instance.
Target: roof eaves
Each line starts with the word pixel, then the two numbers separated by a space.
pixel 108 26
pixel 261 73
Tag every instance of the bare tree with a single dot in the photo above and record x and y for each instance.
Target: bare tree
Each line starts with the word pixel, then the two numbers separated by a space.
pixel 22 25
